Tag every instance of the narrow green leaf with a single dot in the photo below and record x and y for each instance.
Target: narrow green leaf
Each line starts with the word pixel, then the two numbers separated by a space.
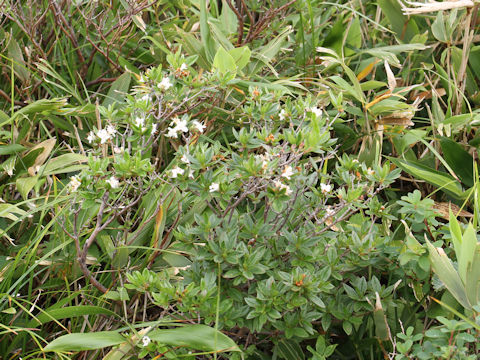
pixel 459 160
pixel 198 337
pixel 88 341
pixel 118 89
pixel 444 269
pixel 445 182
pixel 68 312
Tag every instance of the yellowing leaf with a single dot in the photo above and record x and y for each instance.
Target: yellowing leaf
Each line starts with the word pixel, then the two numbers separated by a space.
pixel 367 70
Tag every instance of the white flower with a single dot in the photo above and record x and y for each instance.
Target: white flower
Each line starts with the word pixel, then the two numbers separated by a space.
pixel 184 159
pixel 287 172
pixel 75 183
pixel 110 130
pixel 316 111
pixel 329 211
pixel 182 126
pixel 146 97
pixel 91 137
pixel 118 150
pixel 370 171
pixel 176 120
pixel 326 188
pixel 190 174
pixel 283 114
pixel 104 136
pixel 113 182
pixel 165 84
pixel 183 67
pixel 199 126
pixel 177 171
pixel 280 186
pixel 146 340
pixel 214 187
pixel 154 128
pixel 142 79
pixel 139 122
pixel 172 132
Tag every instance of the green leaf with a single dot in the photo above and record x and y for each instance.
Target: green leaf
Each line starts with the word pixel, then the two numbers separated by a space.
pixel 472 278
pixel 118 90
pixel 24 185
pixel 207 41
pixel 289 350
pixel 15 53
pixel 198 337
pixel 56 165
pixel 241 56
pixel 11 149
pixel 10 211
pixel 224 62
pixel 444 269
pixel 68 312
pixel 404 27
pixel 465 257
pixel 381 325
pixel 438 28
pixel 445 182
pixel 459 160
pixel 88 341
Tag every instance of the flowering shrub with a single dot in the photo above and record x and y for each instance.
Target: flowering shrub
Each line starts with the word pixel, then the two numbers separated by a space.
pixel 245 228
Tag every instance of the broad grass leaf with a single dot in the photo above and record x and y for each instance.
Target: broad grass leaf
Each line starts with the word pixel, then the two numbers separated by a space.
pixel 198 337
pixel 444 269
pixel 289 350
pixel 85 341
pixel 224 62
pixel 11 149
pixel 117 91
pixel 459 160
pixel 68 312
pixel 404 27
pixel 445 182
pixel 62 162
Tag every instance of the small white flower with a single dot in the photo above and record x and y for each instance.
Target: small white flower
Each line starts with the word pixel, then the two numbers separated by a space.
pixel 177 171
pixel 214 187
pixel 142 79
pixel 370 171
pixel 104 136
pixel 182 126
pixel 316 111
pixel 183 67
pixel 326 188
pixel 355 161
pixel 146 97
pixel 118 150
pixel 154 128
pixel 165 84
pixel 329 211
pixel 91 137
pixel 190 174
pixel 287 172
pixel 184 159
pixel 283 114
pixel 172 132
pixel 146 340
pixel 113 182
pixel 199 126
pixel 110 130
pixel 175 120
pixel 139 122
pixel 280 186
pixel 75 183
